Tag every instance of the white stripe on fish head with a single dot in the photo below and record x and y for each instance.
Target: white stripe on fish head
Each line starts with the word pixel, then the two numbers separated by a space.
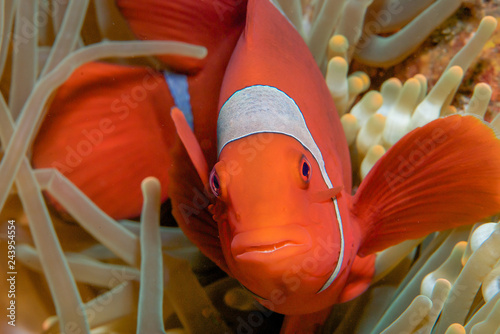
pixel 265 109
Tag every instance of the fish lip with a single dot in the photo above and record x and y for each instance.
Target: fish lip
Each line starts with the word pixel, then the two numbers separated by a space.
pixel 271 242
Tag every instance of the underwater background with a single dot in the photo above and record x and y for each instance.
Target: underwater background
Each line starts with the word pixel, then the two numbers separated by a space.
pixel 81 267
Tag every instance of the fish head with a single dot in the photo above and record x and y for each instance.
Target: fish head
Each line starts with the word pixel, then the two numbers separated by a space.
pixel 277 221
pixel 283 161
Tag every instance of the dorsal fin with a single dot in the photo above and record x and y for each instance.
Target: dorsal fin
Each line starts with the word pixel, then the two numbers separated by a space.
pixel 191 201
pixel 204 23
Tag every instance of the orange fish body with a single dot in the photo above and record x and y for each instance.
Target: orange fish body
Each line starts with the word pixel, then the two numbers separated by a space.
pixel 289 229
pixel 270 201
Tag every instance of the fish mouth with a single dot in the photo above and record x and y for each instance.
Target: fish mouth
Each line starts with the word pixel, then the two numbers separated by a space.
pixel 270 243
pixel 269 248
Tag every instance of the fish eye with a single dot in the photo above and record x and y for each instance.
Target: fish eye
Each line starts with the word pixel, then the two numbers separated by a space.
pixel 214 183
pixel 305 169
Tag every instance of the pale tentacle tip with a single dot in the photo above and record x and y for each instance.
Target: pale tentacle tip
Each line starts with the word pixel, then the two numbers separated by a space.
pixel 490 22
pixel 367 106
pixel 151 185
pixel 364 77
pixel 449 270
pixel 370 134
pixel 355 85
pixel 491 284
pixel 240 299
pixel 481 234
pixel 336 75
pixel 351 127
pixel 49 323
pixel 448 111
pixel 479 101
pixel 338 46
pixel 371 158
pixel 455 329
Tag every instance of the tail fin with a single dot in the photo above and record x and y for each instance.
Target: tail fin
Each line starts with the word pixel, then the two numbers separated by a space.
pixel 439 176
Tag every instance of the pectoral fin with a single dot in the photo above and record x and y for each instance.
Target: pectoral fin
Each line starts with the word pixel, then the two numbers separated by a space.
pixel 191 144
pixel 326 195
pixel 191 200
pixel 442 175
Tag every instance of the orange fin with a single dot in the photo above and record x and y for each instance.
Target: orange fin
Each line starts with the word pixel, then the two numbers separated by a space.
pixel 360 278
pixel 205 23
pixel 91 131
pixel 442 175
pixel 190 203
pixel 191 143
pixel 326 195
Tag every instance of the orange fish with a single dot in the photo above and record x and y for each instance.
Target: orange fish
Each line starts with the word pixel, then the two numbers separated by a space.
pixel 288 226
pixel 105 132
pixel 109 126
pixel 283 219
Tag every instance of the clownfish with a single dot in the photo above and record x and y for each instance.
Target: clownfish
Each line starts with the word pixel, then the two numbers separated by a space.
pixel 285 222
pixel 277 211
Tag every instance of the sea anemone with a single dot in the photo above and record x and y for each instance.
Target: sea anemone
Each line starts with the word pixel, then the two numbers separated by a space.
pixel 379 120
pixel 104 275
pixel 406 24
